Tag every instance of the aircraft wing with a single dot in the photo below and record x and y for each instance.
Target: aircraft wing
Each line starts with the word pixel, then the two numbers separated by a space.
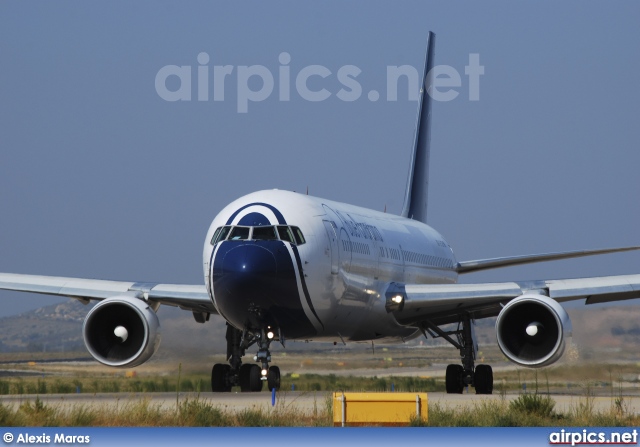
pixel 188 297
pixel 444 303
pixel 485 264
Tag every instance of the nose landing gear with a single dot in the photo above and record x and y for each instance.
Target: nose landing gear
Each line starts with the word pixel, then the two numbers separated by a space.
pixel 270 374
pixel 249 377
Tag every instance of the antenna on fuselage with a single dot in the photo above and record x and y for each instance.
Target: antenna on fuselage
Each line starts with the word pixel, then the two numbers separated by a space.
pixel 415 198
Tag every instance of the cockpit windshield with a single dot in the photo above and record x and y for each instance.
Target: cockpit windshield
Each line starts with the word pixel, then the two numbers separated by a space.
pixel 239 233
pixel 264 233
pixel 285 233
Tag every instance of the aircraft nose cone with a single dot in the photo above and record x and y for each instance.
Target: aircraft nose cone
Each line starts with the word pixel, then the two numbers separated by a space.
pixel 249 262
pixel 255 285
pixel 245 277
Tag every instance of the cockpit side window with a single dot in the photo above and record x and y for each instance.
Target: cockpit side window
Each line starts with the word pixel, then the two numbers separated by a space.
pixel 214 239
pixel 239 233
pixel 285 234
pixel 220 235
pixel 264 233
pixel 298 235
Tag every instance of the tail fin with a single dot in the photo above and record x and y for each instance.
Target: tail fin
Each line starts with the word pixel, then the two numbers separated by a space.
pixel 415 198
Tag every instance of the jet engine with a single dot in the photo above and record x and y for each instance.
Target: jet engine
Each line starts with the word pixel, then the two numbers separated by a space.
pixel 121 331
pixel 531 330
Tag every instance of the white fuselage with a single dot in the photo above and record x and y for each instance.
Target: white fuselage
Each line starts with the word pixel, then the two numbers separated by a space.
pixel 336 277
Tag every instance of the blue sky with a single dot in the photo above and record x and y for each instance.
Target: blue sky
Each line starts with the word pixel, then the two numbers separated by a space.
pixel 102 178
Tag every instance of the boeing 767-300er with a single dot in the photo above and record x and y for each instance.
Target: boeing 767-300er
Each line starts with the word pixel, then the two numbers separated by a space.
pixel 284 266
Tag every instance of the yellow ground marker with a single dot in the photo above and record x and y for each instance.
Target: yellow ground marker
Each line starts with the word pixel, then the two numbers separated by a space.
pixel 353 409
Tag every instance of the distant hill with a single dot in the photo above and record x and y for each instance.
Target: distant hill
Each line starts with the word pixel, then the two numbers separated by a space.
pixel 51 328
pixel 58 328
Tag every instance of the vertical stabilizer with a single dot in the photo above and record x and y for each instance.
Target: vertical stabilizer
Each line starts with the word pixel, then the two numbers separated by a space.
pixel 415 198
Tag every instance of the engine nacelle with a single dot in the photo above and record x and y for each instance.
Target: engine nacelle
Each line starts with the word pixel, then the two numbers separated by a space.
pixel 121 331
pixel 531 330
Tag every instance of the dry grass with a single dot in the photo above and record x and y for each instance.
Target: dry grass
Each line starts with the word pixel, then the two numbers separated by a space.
pixel 527 411
pixel 187 413
pixel 201 383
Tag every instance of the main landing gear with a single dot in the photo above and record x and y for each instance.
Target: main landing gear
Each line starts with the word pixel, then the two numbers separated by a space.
pixel 459 376
pixel 250 377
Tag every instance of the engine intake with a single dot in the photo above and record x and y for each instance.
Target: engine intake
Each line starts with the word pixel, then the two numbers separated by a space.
pixel 531 330
pixel 121 331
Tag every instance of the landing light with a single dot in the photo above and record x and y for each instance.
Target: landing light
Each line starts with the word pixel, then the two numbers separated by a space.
pixel 264 372
pixel 397 299
pixel 269 335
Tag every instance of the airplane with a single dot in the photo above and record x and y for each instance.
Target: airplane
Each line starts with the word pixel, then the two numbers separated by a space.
pixel 280 266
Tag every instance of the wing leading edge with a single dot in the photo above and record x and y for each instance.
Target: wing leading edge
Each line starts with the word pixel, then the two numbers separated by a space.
pixel 188 297
pixel 493 263
pixel 444 303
